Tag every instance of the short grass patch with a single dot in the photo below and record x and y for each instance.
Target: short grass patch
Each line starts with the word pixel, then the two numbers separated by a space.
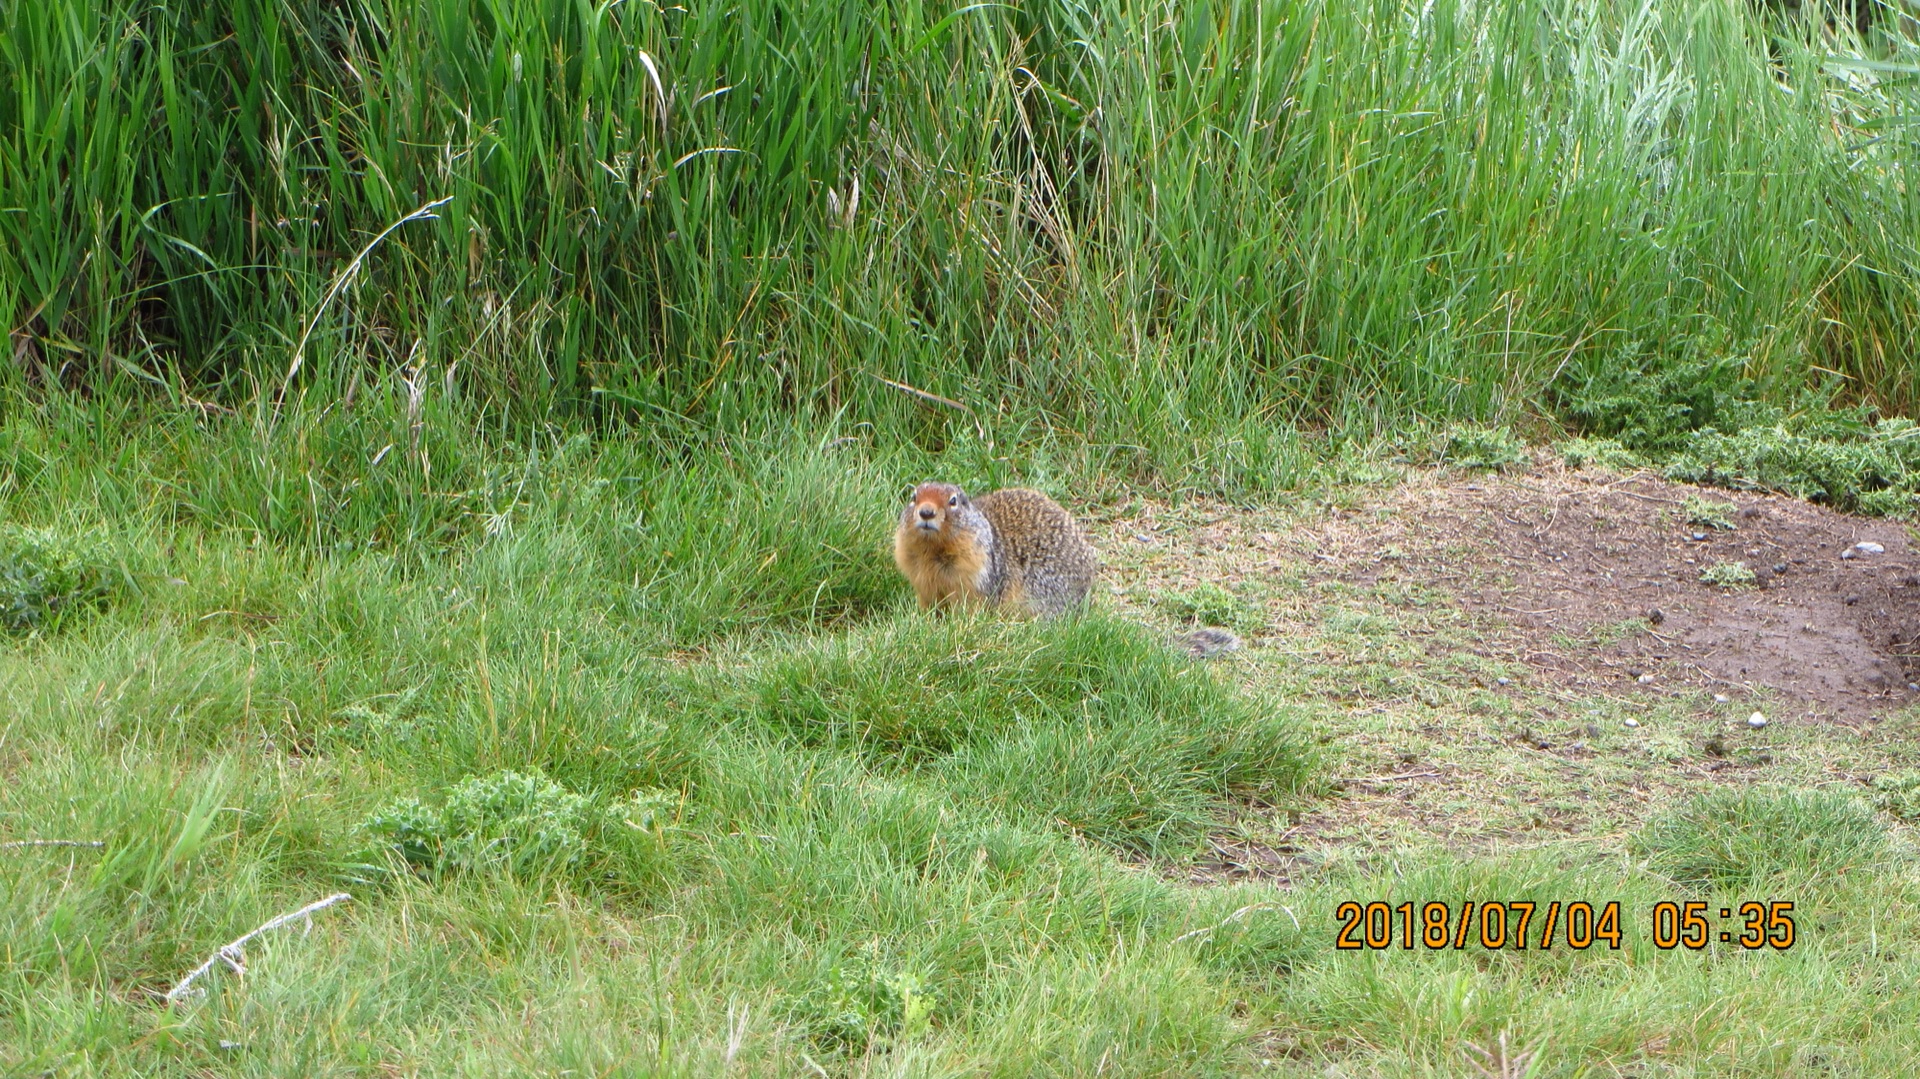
pixel 1090 723
pixel 1745 838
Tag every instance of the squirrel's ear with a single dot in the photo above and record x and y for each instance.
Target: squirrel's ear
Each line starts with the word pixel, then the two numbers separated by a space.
pixel 906 493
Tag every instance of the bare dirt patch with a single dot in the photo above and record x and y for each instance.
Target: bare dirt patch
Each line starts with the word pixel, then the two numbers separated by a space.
pixel 1492 661
pixel 1572 558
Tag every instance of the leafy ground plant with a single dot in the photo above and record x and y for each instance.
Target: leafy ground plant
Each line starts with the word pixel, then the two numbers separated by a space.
pixel 1477 447
pixel 1603 452
pixel 49 577
pixel 1876 473
pixel 522 824
pixel 1729 575
pixel 1708 513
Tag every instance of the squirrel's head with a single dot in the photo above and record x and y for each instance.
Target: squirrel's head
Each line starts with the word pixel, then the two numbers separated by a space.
pixel 931 506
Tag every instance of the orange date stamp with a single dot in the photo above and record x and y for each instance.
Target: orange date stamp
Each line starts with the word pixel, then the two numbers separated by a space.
pixel 1521 925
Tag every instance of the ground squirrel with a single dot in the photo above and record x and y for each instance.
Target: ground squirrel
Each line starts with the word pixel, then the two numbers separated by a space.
pixel 1014 548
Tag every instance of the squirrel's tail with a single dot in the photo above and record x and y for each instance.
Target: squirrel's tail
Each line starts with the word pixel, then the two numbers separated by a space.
pixel 1208 642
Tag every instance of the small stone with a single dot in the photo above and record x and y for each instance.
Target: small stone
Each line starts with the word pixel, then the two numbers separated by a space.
pixel 1645 679
pixel 1851 600
pixel 1577 746
pixel 1721 698
pixel 1635 672
pixel 1699 536
pixel 1655 616
pixel 1504 681
pixel 1142 537
pixel 1847 555
pixel 1593 730
pixel 1915 686
pixel 1756 720
pixel 1631 722
pixel 1779 569
pixel 1869 547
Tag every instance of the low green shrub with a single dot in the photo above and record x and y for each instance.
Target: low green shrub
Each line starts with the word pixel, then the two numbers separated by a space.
pixel 526 825
pixel 1649 403
pixel 1485 448
pixel 863 1000
pixel 1601 452
pixel 1707 513
pixel 1728 575
pixel 1876 472
pixel 47 578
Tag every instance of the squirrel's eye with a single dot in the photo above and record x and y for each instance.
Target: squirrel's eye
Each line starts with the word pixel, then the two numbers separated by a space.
pixel 954 501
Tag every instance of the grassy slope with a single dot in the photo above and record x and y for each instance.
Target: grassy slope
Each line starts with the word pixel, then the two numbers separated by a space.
pixel 806 824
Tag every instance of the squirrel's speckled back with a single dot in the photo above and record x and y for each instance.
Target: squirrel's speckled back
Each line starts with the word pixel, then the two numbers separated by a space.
pixel 1014 548
pixel 1045 553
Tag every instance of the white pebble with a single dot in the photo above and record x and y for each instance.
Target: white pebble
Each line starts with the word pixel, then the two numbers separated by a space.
pixel 1721 698
pixel 1504 681
pixel 1645 679
pixel 1869 547
pixel 1632 722
pixel 1756 720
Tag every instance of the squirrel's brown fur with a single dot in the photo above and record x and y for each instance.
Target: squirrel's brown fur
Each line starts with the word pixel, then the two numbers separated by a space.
pixel 1013 549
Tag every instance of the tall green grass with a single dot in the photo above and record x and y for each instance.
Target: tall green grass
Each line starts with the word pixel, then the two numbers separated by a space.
pixel 1152 227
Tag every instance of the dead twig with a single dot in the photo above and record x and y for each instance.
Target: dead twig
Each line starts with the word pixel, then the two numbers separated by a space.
pixel 339 282
pixel 1501 1062
pixel 233 953
pixel 1393 779
pixel 1236 916
pixel 924 395
pixel 978 427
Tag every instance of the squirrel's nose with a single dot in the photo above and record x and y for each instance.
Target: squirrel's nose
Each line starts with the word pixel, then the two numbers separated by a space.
pixel 926 513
